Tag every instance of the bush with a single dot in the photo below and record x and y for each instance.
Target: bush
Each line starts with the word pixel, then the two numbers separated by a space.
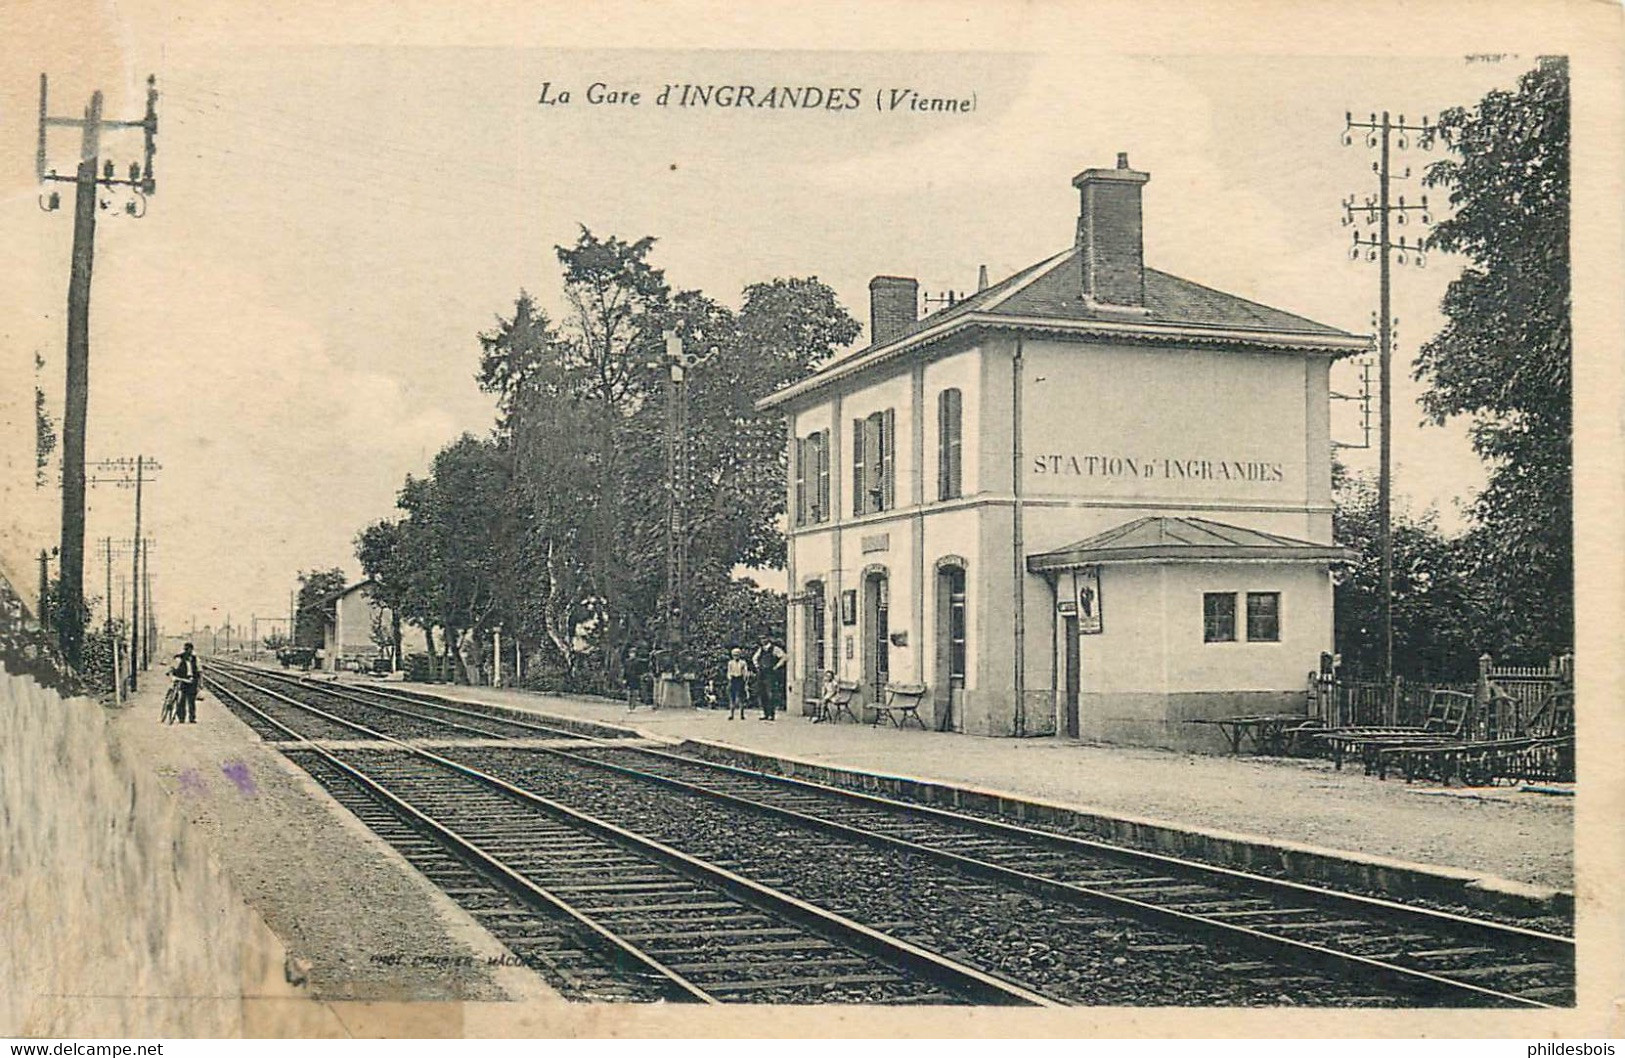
pixel 419 668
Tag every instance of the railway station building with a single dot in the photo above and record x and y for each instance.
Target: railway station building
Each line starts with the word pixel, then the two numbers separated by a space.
pixel 1091 500
pixel 349 618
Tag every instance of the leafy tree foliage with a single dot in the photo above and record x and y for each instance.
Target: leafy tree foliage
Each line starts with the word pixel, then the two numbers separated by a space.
pixel 567 552
pixel 1504 357
pixel 1438 609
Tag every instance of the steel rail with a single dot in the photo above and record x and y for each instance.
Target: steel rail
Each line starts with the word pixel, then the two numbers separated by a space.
pixel 686 990
pixel 399 711
pixel 1295 951
pixel 965 980
pixel 1553 945
pixel 1300 952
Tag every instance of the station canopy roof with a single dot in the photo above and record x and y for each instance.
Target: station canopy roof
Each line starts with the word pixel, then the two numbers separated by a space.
pixel 1184 540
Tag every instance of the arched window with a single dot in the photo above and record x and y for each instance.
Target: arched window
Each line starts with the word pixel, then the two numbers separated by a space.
pixel 950 433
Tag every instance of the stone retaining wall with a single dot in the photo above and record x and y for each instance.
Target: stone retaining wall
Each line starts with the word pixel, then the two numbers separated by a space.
pixel 114 921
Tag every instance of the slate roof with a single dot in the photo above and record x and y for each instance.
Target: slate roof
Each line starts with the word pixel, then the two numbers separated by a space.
pixel 1050 293
pixel 1050 289
pixel 1184 540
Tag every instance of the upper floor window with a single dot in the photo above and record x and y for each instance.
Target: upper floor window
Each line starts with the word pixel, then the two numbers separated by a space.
pixel 950 445
pixel 874 461
pixel 811 475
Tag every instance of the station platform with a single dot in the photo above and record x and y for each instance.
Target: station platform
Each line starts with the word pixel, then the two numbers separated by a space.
pixel 366 935
pixel 1502 847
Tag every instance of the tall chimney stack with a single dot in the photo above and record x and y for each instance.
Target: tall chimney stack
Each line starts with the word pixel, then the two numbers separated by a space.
pixel 1110 240
pixel 894 307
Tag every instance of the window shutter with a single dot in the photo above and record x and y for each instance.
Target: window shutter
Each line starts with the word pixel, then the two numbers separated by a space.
pixel 888 459
pixel 949 444
pixel 822 472
pixel 800 456
pixel 874 474
pixel 859 461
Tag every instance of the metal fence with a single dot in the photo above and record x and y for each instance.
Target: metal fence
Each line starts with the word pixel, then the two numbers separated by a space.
pixel 1507 697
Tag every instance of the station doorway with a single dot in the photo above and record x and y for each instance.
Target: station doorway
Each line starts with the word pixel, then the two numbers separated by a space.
pixel 950 667
pixel 876 633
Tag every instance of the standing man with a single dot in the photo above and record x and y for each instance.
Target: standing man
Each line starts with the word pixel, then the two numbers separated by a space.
pixel 738 673
pixel 633 668
pixel 769 664
pixel 186 676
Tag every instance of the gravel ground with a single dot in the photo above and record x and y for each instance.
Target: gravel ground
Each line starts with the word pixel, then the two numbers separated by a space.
pixel 365 924
pixel 1074 954
pixel 1522 836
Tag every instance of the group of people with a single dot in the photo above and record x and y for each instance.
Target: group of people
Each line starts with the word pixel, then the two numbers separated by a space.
pixel 741 681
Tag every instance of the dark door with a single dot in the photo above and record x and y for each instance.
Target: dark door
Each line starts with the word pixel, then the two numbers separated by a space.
pixel 877 664
pixel 1074 662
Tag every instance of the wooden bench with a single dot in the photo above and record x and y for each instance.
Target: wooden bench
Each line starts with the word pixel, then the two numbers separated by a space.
pixel 901 699
pixel 1544 751
pixel 1447 717
pixel 837 701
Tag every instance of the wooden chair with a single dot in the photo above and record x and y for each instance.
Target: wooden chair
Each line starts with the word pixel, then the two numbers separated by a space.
pixel 902 699
pixel 838 701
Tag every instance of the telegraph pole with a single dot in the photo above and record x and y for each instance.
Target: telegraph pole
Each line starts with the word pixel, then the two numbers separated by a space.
pixel 44 589
pixel 127 473
pixel 135 580
pixel 86 183
pixel 1383 211
pixel 678 469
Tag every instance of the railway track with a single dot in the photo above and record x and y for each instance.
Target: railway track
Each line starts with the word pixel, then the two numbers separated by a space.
pixel 1406 954
pixel 606 914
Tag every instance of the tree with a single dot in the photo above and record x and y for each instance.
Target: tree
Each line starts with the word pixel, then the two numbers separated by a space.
pixel 1504 356
pixel 515 356
pixel 457 541
pixel 1438 608
pixel 314 586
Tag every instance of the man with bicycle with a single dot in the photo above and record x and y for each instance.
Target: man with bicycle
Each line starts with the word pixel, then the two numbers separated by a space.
pixel 186 675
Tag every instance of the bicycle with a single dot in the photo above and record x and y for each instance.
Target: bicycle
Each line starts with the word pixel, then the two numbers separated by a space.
pixel 172 702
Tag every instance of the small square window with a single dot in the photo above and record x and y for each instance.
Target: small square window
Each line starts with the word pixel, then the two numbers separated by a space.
pixel 1218 617
pixel 1264 616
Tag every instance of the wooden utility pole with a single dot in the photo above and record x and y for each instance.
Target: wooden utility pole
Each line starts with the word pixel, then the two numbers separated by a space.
pixel 151 631
pixel 1382 210
pixel 87 183
pixel 135 581
pixel 127 473
pixel 44 605
pixel 78 381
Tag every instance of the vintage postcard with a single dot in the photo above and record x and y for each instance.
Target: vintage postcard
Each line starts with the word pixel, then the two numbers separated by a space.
pixel 1060 519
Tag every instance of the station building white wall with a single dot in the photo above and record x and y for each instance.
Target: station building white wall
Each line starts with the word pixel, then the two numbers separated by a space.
pixel 1151 403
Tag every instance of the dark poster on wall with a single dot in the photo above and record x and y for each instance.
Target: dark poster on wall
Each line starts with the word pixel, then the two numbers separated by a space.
pixel 1086 595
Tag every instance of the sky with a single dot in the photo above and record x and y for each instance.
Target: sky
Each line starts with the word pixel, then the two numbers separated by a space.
pixel 291 328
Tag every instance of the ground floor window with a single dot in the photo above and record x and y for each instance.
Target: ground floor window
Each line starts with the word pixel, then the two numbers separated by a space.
pixel 1218 617
pixel 1264 616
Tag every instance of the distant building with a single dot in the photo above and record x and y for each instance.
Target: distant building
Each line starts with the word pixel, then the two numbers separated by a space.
pixel 1092 500
pixel 349 620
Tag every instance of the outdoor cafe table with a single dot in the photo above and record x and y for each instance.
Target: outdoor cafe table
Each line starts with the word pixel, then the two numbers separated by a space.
pixel 1268 733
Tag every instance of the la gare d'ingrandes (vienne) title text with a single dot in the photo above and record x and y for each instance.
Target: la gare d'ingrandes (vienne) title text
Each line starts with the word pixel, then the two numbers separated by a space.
pixel 757 97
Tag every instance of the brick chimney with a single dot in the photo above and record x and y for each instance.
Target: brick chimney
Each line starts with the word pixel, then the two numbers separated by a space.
pixel 894 307
pixel 1109 235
